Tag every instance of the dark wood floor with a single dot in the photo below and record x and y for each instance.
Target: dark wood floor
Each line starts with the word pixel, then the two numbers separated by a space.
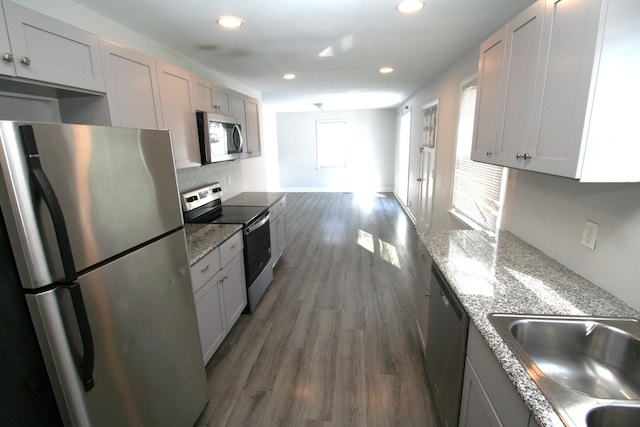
pixel 333 342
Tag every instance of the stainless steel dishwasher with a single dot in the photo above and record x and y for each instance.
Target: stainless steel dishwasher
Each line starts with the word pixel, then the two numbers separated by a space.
pixel 446 348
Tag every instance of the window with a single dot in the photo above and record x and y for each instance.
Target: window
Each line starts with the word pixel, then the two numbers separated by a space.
pixel 477 187
pixel 331 143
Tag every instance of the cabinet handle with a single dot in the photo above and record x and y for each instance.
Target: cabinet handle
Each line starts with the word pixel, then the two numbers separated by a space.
pixel 489 153
pixel 204 269
pixel 427 294
pixel 523 156
pixel 420 179
pixel 217 107
pixel 233 246
pixel 519 156
pixel 25 60
pixel 527 156
pixel 7 57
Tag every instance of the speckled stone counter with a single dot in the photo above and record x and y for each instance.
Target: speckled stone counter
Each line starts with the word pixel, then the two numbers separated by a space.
pixel 506 275
pixel 258 198
pixel 203 238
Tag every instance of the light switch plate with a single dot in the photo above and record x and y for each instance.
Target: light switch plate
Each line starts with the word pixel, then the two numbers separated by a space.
pixel 589 235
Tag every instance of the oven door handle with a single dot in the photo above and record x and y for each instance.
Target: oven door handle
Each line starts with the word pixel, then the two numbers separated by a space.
pixel 257 225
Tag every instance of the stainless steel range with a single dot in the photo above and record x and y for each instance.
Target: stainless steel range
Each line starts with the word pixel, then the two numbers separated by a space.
pixel 204 205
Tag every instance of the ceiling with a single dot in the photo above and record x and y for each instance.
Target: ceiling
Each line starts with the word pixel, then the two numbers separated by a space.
pixel 281 36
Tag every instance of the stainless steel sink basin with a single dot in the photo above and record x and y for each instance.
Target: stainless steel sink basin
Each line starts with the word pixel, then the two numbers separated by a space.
pixel 587 367
pixel 614 416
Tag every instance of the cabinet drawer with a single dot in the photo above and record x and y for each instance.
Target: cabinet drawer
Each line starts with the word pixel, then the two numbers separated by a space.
pixel 278 208
pixel 205 269
pixel 231 248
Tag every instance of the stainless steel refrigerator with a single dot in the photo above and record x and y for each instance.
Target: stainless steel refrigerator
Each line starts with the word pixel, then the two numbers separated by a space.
pixel 98 323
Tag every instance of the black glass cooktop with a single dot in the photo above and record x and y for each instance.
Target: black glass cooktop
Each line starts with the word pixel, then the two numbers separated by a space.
pixel 239 214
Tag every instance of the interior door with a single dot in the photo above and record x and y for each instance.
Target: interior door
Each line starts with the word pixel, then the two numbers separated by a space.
pixel 427 164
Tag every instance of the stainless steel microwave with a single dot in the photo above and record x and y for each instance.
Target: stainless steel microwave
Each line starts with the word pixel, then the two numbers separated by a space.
pixel 220 137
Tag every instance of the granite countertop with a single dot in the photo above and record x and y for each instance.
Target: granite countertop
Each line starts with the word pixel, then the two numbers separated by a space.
pixel 252 198
pixel 203 238
pixel 503 274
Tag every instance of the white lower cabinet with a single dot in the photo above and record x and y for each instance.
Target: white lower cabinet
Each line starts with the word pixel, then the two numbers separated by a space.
pixel 278 230
pixel 210 315
pixel 422 294
pixel 488 396
pixel 234 290
pixel 223 297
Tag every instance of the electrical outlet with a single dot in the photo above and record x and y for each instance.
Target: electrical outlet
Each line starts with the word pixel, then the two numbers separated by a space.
pixel 228 179
pixel 589 235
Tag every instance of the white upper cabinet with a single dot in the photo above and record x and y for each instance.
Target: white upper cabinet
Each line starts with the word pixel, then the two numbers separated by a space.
pixel 221 100
pixel 210 97
pixel 247 111
pixel 490 70
pixel 44 49
pixel 132 87
pixel 178 113
pixel 567 93
pixel 252 126
pixel 522 49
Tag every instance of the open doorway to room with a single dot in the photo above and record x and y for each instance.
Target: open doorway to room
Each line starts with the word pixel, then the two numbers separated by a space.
pixel 404 144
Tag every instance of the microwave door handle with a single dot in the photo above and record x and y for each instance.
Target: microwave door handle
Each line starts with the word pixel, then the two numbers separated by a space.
pixel 237 138
pixel 45 190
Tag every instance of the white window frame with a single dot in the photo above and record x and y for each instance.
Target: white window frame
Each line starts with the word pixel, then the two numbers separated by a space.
pixel 338 147
pixel 475 203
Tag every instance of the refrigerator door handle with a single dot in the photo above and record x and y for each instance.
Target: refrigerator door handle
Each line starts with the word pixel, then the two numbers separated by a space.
pixel 45 190
pixel 86 364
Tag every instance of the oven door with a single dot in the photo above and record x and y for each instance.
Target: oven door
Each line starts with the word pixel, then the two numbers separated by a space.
pixel 257 246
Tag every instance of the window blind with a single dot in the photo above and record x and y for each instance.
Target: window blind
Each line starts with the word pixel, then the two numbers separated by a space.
pixel 477 187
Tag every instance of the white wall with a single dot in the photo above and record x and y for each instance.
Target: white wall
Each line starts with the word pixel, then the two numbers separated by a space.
pixel 446 88
pixel 370 155
pixel 549 213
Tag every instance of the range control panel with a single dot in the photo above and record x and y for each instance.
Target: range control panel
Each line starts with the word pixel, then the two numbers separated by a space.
pixel 200 196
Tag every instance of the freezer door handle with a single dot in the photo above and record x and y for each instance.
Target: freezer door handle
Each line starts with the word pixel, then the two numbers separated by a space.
pixel 45 190
pixel 86 364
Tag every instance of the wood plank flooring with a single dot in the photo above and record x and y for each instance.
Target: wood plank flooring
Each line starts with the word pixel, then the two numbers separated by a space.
pixel 333 342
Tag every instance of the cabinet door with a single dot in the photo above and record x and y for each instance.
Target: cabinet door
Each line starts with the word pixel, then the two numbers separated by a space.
pixel 476 409
pixel 277 229
pixel 239 112
pixel 564 77
pixel 281 231
pixel 210 315
pixel 234 290
pixel 422 294
pixel 518 84
pixel 222 101
pixel 6 65
pixel 252 132
pixel 178 113
pixel 132 87
pixel 490 71
pixel 48 50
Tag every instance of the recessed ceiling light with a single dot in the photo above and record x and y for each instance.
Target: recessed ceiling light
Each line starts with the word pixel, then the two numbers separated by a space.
pixel 289 76
pixel 386 70
pixel 230 22
pixel 410 6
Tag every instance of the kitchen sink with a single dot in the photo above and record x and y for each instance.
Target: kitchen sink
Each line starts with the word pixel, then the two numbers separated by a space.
pixel 614 416
pixel 587 367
